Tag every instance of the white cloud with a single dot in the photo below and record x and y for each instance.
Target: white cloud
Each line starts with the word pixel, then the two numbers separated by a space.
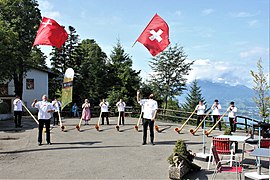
pixel 256 51
pixel 242 14
pixel 218 71
pixel 47 9
pixel 206 12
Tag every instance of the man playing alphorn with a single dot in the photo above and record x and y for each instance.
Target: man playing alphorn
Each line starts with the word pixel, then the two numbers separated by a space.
pixel 200 108
pixel 44 117
pixel 121 109
pixel 149 115
pixel 216 113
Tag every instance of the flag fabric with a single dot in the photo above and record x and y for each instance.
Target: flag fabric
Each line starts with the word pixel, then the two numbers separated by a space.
pixel 67 88
pixel 155 36
pixel 50 33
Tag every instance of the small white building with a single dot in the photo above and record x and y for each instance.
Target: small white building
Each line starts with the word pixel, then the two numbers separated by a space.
pixel 35 84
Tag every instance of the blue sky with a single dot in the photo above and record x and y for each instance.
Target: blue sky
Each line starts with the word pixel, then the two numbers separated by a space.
pixel 225 38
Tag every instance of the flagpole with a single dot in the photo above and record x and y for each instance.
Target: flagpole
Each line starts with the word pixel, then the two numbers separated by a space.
pixel 134 43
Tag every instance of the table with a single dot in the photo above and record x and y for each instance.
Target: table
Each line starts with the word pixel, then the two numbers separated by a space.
pixel 236 139
pixel 259 152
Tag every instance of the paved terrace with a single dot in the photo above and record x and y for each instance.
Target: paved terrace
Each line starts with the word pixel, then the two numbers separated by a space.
pixel 90 154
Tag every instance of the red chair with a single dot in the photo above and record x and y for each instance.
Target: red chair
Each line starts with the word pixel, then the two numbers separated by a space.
pixel 265 143
pixel 224 147
pixel 221 168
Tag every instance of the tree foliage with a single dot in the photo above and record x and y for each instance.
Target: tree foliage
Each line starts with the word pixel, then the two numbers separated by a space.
pixel 63 58
pixel 92 76
pixel 124 80
pixel 169 72
pixel 261 88
pixel 19 20
pixel 193 97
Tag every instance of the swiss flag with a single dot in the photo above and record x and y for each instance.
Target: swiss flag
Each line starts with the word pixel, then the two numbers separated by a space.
pixel 50 33
pixel 155 36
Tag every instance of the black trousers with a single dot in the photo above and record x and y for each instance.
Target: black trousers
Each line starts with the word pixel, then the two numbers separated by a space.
pixel 215 117
pixel 55 118
pixel 146 123
pixel 199 119
pixel 122 117
pixel 17 118
pixel 40 129
pixel 232 124
pixel 105 114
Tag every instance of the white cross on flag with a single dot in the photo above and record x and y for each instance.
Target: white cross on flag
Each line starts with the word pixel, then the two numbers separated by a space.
pixel 155 36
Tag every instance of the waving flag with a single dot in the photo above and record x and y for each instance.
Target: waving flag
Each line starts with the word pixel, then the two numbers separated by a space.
pixel 67 87
pixel 155 36
pixel 50 33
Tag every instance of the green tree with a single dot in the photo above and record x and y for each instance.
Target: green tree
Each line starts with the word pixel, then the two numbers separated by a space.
pixel 92 78
pixel 38 57
pixel 63 58
pixel 124 80
pixel 261 89
pixel 193 97
pixel 21 19
pixel 169 72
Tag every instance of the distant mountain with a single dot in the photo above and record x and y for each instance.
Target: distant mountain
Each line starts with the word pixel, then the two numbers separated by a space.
pixel 240 94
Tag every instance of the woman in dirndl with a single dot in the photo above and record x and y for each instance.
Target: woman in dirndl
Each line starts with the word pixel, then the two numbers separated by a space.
pixel 86 115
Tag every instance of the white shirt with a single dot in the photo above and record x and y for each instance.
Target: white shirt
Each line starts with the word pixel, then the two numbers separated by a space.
pixel 232 112
pixel 141 102
pixel 17 104
pixel 149 108
pixel 215 109
pixel 200 109
pixel 57 105
pixel 43 107
pixel 104 106
pixel 121 106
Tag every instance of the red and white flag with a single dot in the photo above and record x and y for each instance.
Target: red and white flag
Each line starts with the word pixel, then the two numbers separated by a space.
pixel 50 33
pixel 155 36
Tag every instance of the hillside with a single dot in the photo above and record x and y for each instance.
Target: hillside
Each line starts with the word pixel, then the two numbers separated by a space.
pixel 240 94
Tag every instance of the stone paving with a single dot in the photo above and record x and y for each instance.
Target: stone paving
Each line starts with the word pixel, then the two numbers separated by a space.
pixel 107 154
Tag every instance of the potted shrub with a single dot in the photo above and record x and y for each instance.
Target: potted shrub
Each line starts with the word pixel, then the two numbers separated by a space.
pixel 181 161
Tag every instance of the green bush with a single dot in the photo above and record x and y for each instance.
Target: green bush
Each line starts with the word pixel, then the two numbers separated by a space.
pixel 180 148
pixel 228 131
pixel 4 108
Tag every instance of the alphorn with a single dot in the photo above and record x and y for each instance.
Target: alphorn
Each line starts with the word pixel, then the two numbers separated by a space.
pixel 157 128
pixel 138 122
pixel 78 126
pixel 60 120
pixel 210 130
pixel 183 125
pixel 118 122
pixel 193 131
pixel 97 125
pixel 30 113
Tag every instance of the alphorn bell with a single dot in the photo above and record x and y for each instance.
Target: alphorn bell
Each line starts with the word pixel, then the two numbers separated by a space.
pixel 78 126
pixel 138 122
pixel 157 128
pixel 193 131
pixel 118 122
pixel 97 125
pixel 210 130
pixel 60 120
pixel 178 130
